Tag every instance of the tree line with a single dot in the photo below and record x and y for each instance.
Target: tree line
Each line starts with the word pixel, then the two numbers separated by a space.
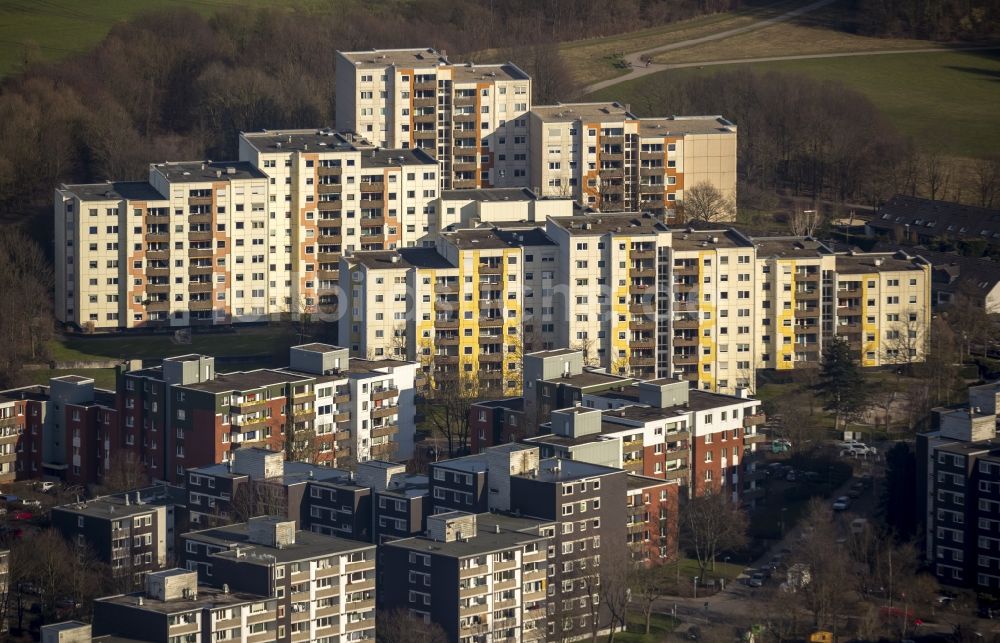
pixel 809 137
pixel 174 84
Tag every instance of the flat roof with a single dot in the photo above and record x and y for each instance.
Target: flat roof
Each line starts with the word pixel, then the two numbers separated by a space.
pixel 554 352
pixel 407 485
pixel 511 534
pixel 590 378
pixel 319 347
pixel 307 544
pixel 476 239
pixel 410 57
pixel 524 237
pixel 425 258
pixel 647 413
pixel 300 140
pixel 489 195
pixel 246 380
pixel 684 125
pixel 598 223
pixel 115 191
pixel 471 72
pixel 475 463
pixel 208 171
pixel 699 400
pixel 380 260
pixel 792 247
pixel 207 598
pixel 691 239
pixel 35 392
pixel 588 112
pixel 864 263
pixel 569 470
pixel 380 157
pixel 107 507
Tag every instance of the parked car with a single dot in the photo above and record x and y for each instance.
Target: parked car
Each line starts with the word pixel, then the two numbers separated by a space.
pixel 781 445
pixel 856 450
pixel 45 486
pixel 841 503
pixel 756 579
pixel 9 497
pixel 790 476
pixel 21 515
pixel 892 613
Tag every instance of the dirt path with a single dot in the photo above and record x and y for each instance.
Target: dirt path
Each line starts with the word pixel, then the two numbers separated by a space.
pixel 640 68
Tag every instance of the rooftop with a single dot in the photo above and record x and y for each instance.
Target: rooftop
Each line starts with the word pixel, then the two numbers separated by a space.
pixel 476 239
pixel 208 171
pixel 691 239
pixel 382 157
pixel 246 380
pixel 115 191
pixel 527 236
pixel 604 223
pixel 682 125
pixel 407 485
pixel 512 403
pixel 471 72
pixel 300 140
pixel 36 392
pixel 953 273
pixel 108 507
pixel 699 400
pixel 378 58
pixel 318 347
pixel 206 597
pixel 380 260
pixel 591 378
pixel 489 195
pixel 424 258
pixel 865 263
pixel 471 463
pixel 494 533
pixel 789 247
pixel 939 218
pixel 559 470
pixel 307 545
pixel 589 112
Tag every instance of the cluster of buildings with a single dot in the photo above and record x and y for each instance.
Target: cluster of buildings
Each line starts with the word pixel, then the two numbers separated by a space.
pixel 326 407
pixel 513 535
pixel 958 485
pixel 261 237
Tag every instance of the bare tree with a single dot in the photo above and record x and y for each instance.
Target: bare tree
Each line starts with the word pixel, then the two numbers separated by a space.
pixel 616 572
pixel 987 174
pixel 402 626
pixel 587 346
pixel 805 222
pixel 937 175
pixel 710 523
pixel 906 340
pixel 447 408
pixel 704 202
pixel 258 498
pixel 649 584
pixel 127 471
pixel 26 317
pixel 828 590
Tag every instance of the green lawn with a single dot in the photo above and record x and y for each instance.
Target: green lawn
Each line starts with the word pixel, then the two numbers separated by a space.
pixel 103 377
pixel 51 29
pixel 945 101
pixel 247 341
pixel 660 628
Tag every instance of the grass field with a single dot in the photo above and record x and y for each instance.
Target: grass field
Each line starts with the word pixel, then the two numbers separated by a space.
pixel 51 29
pixel 661 627
pixel 247 341
pixel 945 101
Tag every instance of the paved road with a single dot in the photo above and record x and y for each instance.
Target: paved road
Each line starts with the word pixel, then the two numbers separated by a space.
pixel 639 68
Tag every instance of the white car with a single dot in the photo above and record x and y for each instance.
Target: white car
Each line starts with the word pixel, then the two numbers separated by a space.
pixel 841 503
pixel 857 449
pixel 46 486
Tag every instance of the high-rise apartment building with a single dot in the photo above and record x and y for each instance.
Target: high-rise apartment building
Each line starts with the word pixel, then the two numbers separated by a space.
pixel 471 118
pixel 457 308
pixel 608 159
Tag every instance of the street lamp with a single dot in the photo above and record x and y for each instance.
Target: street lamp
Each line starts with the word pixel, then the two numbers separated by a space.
pixel 696 587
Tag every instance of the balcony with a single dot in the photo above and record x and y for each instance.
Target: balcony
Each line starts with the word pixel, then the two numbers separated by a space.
pixel 385 393
pixel 491 322
pixel 754 438
pixel 158 237
pixel 371 186
pixel 680 473
pixel 753 420
pixel 385 431
pixel 490 269
pixel 385 411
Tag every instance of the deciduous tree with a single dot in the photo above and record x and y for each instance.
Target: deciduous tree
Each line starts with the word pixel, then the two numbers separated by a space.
pixel 710 523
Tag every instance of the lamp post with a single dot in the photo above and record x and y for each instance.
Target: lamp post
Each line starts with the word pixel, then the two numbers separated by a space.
pixel 696 587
